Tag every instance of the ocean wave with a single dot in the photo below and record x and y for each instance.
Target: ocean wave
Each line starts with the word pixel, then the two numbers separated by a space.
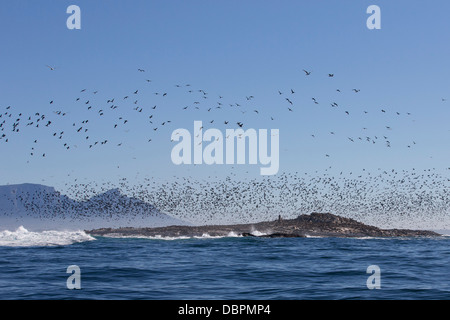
pixel 24 238
pixel 313 237
pixel 160 237
pixel 257 233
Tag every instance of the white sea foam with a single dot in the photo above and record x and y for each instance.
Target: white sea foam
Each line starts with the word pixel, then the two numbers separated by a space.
pixel 233 234
pixel 160 237
pixel 314 237
pixel 24 238
pixel 258 233
pixel 229 235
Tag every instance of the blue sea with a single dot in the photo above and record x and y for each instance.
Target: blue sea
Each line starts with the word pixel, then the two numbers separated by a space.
pixel 221 268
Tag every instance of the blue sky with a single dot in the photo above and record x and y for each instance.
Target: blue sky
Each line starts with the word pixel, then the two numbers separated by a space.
pixel 232 49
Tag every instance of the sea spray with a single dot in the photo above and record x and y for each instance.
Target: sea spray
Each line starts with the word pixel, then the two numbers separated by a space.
pixel 24 238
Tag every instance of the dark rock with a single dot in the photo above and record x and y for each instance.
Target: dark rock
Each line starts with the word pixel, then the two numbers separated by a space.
pixel 315 224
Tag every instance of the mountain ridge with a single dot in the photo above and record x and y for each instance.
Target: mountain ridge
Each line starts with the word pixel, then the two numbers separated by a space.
pixel 40 204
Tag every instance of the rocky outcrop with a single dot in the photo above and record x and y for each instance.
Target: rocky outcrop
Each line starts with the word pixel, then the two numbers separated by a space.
pixel 315 224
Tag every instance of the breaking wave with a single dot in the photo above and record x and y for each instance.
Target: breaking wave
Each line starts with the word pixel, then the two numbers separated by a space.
pixel 159 237
pixel 24 238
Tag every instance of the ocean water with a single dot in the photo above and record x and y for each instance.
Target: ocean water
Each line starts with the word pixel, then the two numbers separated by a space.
pixel 33 265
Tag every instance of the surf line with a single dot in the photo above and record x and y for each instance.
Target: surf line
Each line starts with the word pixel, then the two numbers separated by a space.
pixel 235 147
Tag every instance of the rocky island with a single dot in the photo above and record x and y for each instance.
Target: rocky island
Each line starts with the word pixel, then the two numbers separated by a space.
pixel 312 225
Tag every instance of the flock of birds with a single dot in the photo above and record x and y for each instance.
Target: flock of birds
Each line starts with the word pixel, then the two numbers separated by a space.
pixel 73 127
pixel 395 194
pixel 384 198
pixel 402 199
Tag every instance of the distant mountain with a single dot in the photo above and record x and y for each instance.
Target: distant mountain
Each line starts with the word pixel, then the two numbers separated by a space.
pixel 41 207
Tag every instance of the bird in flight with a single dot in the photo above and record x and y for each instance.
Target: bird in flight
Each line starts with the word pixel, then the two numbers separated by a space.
pixel 307 72
pixel 50 67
